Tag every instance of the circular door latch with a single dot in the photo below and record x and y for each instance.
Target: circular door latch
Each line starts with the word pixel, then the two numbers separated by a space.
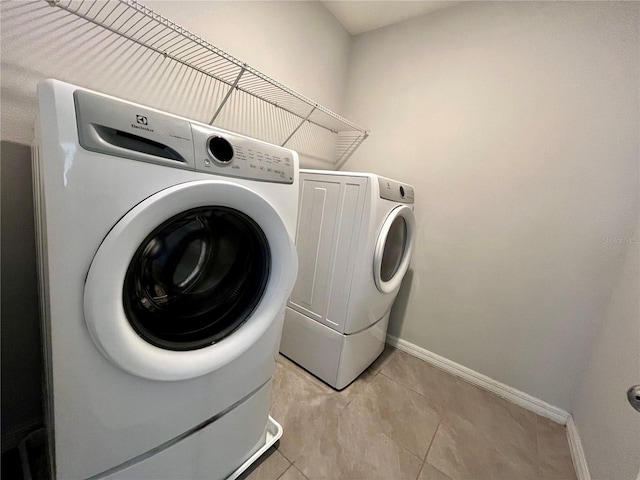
pixel 633 395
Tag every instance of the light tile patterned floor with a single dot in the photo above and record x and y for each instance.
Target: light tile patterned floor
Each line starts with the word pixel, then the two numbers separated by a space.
pixel 404 419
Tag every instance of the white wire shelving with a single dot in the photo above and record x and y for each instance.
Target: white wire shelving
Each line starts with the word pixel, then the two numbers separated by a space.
pixel 300 121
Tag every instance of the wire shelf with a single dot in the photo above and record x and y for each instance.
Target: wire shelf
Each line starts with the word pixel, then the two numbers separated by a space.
pixel 300 121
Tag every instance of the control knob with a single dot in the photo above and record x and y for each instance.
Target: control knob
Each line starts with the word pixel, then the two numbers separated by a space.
pixel 220 149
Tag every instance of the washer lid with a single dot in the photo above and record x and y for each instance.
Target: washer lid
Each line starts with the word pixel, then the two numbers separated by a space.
pixel 393 250
pixel 188 280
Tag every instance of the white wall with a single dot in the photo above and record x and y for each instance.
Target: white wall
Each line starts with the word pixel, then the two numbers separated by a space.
pixel 518 124
pixel 299 44
pixel 609 428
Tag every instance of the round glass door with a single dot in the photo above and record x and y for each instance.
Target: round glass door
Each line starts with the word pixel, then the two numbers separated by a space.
pixel 393 249
pixel 188 280
pixel 196 278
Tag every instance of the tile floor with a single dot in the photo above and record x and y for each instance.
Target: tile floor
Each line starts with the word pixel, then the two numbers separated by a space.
pixel 404 419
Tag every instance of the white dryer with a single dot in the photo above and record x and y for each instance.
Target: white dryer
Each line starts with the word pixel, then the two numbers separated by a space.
pixel 166 258
pixel 355 238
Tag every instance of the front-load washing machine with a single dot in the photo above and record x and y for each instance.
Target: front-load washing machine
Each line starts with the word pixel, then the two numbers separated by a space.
pixel 355 238
pixel 166 257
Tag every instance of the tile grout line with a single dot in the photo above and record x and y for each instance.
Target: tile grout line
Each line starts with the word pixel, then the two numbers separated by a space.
pixel 513 395
pixel 424 462
pixel 379 372
pixel 285 457
pixel 403 448
pixel 362 391
pixel 383 433
pixel 443 412
pixel 289 468
pixel 537 427
pixel 402 384
pixel 441 415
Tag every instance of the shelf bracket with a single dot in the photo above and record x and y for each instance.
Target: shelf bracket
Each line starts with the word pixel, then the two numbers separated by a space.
pixel 350 149
pixel 299 125
pixel 226 97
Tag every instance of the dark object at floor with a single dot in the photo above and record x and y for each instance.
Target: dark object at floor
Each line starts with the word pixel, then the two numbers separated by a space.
pixel 33 456
pixel 11 467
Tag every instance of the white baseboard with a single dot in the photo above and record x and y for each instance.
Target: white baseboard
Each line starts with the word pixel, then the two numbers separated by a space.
pixel 577 452
pixel 478 379
pixel 508 393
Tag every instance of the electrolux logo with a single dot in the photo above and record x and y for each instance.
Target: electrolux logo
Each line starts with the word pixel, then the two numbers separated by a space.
pixel 141 120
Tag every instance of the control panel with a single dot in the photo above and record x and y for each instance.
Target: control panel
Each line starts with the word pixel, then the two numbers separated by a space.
pixel 116 127
pixel 395 191
pixel 223 153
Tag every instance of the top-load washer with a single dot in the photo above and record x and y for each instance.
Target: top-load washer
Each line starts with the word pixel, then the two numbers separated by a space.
pixel 355 238
pixel 166 258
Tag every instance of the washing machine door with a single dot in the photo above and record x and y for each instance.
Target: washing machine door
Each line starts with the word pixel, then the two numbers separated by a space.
pixel 393 249
pixel 188 280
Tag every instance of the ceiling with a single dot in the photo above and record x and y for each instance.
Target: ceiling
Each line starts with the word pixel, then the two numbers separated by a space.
pixel 365 15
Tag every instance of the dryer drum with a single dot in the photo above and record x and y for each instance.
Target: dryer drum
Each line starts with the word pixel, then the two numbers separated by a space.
pixel 196 278
pixel 394 249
